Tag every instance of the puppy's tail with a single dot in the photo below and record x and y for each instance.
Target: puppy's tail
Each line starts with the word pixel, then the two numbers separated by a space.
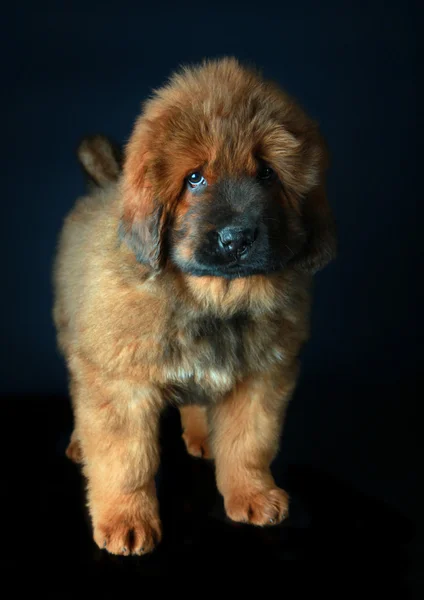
pixel 101 160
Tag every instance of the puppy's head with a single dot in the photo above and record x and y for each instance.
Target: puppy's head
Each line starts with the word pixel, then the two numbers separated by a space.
pixel 224 176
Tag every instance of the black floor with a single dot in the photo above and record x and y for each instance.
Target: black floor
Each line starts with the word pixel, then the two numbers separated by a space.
pixel 356 538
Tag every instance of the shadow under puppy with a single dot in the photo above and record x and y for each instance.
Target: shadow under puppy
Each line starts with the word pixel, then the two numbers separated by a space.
pixel 187 279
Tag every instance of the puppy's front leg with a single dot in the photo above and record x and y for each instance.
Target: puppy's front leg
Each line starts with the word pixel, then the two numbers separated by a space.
pixel 245 433
pixel 118 426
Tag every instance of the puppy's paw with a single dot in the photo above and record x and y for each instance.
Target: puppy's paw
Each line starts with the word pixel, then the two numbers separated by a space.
pixel 128 536
pixel 195 431
pixel 74 451
pixel 264 507
pixel 128 527
pixel 197 446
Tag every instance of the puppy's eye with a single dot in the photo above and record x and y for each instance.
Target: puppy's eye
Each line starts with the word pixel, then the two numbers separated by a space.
pixel 265 172
pixel 196 179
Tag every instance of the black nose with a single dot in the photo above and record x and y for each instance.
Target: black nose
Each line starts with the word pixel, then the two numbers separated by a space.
pixel 235 240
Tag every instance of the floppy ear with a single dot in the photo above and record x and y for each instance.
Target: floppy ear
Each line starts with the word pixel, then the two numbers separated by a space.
pixel 144 218
pixel 321 241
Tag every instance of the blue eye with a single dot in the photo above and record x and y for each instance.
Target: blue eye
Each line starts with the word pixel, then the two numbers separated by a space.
pixel 196 179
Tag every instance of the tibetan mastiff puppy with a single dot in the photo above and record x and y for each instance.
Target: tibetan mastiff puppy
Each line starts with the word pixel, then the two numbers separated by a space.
pixel 185 277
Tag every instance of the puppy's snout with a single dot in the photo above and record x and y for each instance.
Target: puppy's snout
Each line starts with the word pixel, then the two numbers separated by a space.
pixel 236 241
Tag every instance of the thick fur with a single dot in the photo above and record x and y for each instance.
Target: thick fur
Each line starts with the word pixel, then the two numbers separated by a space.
pixel 138 324
pixel 100 159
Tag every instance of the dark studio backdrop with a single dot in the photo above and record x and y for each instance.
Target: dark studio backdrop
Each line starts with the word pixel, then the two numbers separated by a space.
pixel 349 447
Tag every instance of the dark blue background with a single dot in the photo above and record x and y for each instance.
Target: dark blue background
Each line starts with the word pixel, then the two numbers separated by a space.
pixel 72 68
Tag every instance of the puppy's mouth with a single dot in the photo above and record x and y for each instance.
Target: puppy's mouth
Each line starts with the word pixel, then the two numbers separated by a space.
pixel 233 270
pixel 235 273
pixel 233 261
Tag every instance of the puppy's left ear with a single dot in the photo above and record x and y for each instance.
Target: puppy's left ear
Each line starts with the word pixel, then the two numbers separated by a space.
pixel 144 218
pixel 321 241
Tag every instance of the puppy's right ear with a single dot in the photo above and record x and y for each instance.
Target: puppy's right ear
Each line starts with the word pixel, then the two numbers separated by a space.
pixel 143 219
pixel 321 244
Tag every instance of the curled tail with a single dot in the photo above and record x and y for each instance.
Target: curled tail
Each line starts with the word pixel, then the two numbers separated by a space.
pixel 101 160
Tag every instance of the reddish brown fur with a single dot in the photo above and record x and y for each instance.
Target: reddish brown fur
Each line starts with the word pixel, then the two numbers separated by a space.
pixel 99 159
pixel 195 431
pixel 129 328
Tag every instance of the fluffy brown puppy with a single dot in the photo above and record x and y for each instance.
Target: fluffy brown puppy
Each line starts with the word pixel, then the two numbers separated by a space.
pixel 188 280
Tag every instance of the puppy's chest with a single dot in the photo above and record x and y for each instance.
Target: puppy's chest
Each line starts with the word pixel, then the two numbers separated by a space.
pixel 204 357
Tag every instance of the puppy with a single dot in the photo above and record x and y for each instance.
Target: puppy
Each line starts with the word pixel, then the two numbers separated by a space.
pixel 187 279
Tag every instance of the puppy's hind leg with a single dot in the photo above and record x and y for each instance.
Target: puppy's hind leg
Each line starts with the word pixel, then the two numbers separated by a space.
pixel 74 450
pixel 195 431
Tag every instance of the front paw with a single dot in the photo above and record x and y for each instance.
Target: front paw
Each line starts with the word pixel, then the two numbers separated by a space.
pixel 268 506
pixel 130 525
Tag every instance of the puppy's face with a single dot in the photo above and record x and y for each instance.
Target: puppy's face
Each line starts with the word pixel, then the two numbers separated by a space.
pixel 234 223
pixel 223 177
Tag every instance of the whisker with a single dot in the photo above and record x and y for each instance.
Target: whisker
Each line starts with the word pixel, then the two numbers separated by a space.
pixel 270 219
